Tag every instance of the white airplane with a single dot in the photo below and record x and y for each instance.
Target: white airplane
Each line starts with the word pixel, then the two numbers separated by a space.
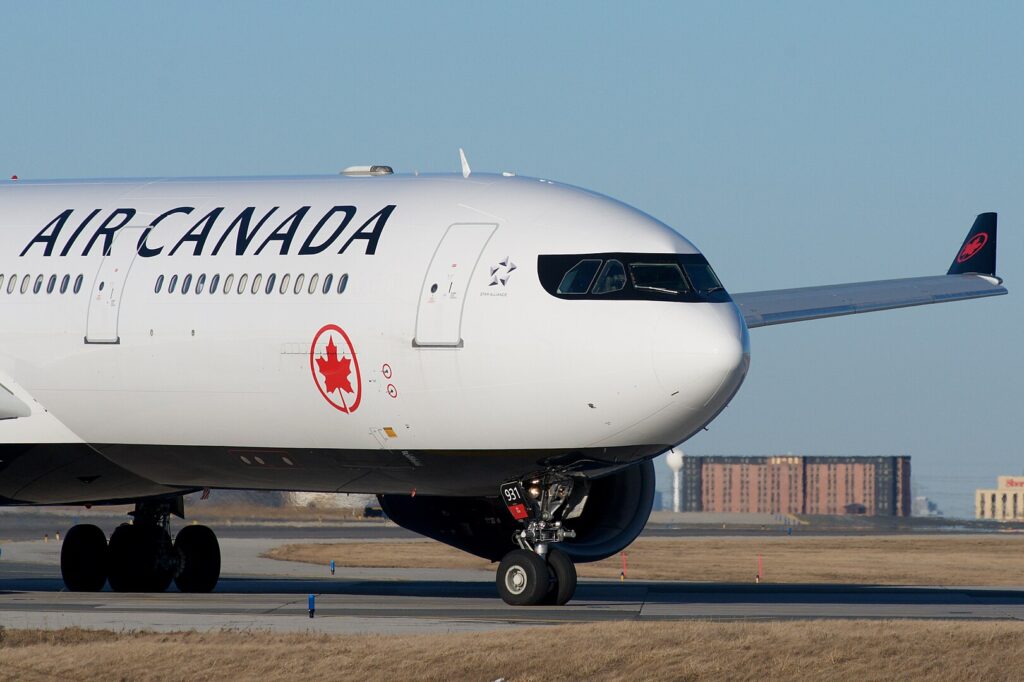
pixel 499 358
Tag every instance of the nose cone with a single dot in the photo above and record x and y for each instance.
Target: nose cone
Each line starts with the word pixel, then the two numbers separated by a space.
pixel 701 353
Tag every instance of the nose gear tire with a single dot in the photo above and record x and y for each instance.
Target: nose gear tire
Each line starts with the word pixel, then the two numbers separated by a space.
pixel 563 572
pixel 523 578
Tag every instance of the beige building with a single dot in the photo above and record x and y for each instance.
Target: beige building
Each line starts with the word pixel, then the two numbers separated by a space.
pixel 1005 503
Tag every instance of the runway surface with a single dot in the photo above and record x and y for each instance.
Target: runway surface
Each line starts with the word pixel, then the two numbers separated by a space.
pixel 264 594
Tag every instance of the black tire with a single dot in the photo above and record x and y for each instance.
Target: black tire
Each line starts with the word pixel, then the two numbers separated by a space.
pixel 523 578
pixel 563 571
pixel 125 567
pixel 199 557
pixel 83 558
pixel 159 557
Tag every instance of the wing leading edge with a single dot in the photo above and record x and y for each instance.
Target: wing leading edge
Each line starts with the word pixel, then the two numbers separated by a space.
pixel 972 275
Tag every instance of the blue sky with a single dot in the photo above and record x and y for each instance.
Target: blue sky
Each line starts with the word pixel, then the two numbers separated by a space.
pixel 796 143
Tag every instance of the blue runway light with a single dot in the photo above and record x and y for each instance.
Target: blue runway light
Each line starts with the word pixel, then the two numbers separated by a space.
pixel 332 566
pixel 312 605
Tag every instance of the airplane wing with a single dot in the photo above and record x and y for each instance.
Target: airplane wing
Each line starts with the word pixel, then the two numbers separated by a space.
pixel 972 275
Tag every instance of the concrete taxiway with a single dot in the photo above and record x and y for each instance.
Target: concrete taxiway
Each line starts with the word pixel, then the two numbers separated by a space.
pixel 263 594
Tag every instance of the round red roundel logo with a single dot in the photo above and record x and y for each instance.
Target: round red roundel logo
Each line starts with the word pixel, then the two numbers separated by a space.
pixel 335 367
pixel 971 248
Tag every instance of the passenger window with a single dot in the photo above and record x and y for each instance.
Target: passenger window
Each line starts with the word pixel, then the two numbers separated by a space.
pixel 38 285
pixel 270 283
pixel 186 283
pixel 64 283
pixel 159 284
pixel 664 278
pixel 200 283
pixel 78 283
pixel 172 284
pixel 25 281
pixel 342 283
pixel 12 283
pixel 328 280
pixel 228 282
pixel 213 284
pixel 703 277
pixel 257 279
pixel 51 283
pixel 242 281
pixel 578 279
pixel 299 281
pixel 1 282
pixel 612 278
pixel 286 279
pixel 314 280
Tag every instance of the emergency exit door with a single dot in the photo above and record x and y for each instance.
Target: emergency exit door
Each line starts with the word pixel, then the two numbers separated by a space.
pixel 108 287
pixel 443 296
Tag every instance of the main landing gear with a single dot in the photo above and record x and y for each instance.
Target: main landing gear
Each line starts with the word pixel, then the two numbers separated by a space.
pixel 140 556
pixel 538 573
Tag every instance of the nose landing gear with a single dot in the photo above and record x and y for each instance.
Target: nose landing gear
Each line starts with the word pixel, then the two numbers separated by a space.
pixel 538 573
pixel 141 556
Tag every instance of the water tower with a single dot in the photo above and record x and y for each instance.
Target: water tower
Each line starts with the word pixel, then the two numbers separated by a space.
pixel 675 463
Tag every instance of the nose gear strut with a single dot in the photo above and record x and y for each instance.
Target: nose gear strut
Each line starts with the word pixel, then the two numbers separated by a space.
pixel 538 572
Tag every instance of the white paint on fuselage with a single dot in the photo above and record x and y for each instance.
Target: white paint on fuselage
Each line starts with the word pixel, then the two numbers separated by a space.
pixel 534 371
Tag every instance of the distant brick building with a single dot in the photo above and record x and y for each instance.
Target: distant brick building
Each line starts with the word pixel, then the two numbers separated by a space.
pixel 789 484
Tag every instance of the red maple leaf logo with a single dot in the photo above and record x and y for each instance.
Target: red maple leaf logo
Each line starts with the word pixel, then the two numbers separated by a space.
pixel 335 372
pixel 972 247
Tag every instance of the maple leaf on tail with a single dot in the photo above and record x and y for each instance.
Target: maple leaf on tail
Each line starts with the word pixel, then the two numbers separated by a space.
pixel 334 371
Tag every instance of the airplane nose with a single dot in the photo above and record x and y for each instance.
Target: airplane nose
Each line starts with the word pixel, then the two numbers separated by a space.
pixel 701 355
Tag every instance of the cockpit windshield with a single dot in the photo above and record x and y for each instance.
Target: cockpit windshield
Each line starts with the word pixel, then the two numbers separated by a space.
pixel 613 278
pixel 666 278
pixel 578 279
pixel 631 276
pixel 703 277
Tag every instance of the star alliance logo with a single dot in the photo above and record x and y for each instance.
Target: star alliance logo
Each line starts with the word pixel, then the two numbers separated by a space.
pixel 501 272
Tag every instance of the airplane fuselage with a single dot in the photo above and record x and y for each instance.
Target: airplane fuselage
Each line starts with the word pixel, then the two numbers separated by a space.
pixel 377 334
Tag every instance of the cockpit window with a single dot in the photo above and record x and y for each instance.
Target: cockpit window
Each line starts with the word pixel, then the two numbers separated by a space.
pixel 624 276
pixel 703 277
pixel 612 278
pixel 577 280
pixel 665 278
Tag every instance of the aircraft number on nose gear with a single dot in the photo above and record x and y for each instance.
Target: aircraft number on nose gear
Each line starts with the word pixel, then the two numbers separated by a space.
pixel 510 491
pixel 512 495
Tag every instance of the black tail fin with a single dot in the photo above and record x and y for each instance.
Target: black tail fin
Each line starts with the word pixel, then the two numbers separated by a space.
pixel 978 253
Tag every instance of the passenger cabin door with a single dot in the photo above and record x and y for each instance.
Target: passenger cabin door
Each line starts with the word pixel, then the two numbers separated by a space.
pixel 443 296
pixel 108 287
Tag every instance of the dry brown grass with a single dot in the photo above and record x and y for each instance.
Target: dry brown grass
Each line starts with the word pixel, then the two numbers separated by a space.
pixel 689 650
pixel 883 560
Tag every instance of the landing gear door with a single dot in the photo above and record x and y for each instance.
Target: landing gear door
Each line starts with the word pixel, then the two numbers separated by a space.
pixel 439 316
pixel 108 287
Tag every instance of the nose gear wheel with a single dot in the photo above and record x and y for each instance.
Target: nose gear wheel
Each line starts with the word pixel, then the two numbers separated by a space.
pixel 537 572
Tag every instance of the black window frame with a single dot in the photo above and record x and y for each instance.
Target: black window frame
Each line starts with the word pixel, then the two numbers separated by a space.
pixel 552 267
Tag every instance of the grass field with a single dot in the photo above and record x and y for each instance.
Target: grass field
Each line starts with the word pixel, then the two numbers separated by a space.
pixel 690 650
pixel 884 560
